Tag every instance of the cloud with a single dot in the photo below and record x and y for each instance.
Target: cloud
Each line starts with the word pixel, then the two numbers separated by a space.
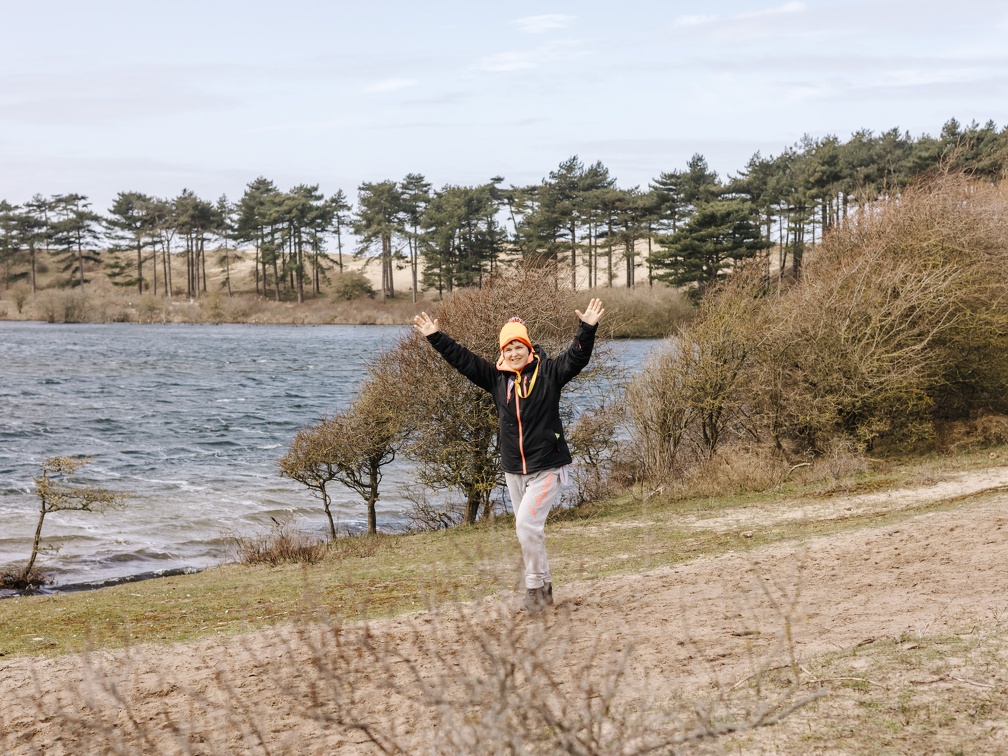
pixel 694 20
pixel 529 58
pixel 391 85
pixel 55 110
pixel 792 7
pixel 706 20
pixel 545 23
pixel 512 60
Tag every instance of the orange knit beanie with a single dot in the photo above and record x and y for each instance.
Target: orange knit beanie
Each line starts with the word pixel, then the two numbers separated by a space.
pixel 514 330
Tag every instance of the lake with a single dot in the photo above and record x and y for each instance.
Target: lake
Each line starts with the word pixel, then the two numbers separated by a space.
pixel 189 421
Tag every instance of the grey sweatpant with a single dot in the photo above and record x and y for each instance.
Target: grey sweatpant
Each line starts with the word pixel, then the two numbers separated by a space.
pixel 532 497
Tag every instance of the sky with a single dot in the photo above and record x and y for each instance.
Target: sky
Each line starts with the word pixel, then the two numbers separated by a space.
pixel 105 96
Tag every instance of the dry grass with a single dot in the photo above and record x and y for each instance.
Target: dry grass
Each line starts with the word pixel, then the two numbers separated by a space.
pixel 283 542
pixel 469 679
pixel 481 677
pixel 642 312
pixel 916 693
pixel 637 313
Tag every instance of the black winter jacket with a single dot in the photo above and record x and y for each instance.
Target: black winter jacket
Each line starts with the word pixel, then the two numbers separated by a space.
pixel 531 435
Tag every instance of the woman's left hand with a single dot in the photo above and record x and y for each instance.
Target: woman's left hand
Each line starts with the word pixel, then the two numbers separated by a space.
pixel 593 312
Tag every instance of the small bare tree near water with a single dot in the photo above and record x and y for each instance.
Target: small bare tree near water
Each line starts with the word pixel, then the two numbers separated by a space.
pixel 56 495
pixel 351 447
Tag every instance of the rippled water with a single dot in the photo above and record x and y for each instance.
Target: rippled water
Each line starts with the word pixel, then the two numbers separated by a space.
pixel 189 421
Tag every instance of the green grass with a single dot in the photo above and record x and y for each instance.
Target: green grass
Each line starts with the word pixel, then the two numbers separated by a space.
pixel 390 575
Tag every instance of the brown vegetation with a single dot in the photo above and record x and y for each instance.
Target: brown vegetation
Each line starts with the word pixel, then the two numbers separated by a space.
pixel 351 448
pixel 851 596
pixel 898 324
pixel 347 298
pixel 281 543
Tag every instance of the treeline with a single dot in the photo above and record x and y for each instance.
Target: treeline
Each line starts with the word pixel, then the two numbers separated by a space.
pixel 684 228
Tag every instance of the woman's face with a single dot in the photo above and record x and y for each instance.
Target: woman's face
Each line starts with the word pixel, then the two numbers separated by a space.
pixel 515 355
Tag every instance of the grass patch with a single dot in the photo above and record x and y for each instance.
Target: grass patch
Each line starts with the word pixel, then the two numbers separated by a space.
pixel 391 574
pixel 946 694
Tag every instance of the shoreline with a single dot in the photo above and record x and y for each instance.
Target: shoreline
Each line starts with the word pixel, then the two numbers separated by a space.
pixel 94 585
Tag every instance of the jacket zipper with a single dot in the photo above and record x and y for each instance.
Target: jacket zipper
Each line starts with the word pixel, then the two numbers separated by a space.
pixel 521 442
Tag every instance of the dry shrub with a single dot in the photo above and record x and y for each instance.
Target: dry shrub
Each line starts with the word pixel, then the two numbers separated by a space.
pixel 471 679
pixel 20 293
pixel 900 316
pixel 14 577
pixel 991 430
pixel 738 468
pixel 690 397
pixel 900 319
pixel 984 430
pixel 426 515
pixel 62 306
pixel 644 312
pixel 596 451
pixel 360 546
pixel 152 309
pixel 283 542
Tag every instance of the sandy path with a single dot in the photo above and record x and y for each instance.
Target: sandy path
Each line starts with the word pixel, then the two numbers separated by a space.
pixel 684 627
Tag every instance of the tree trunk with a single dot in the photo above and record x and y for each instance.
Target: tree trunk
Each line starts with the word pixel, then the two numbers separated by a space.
pixel 35 543
pixel 472 507
pixel 80 260
pixel 325 501
pixel 166 262
pixel 299 265
pixel 609 250
pixel 414 261
pixel 339 246
pixel 573 231
pixel 188 266
pixel 372 519
pixel 139 268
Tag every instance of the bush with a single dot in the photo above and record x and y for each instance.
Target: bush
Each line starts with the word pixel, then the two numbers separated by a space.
pixel 15 577
pixel 899 322
pixel 901 317
pixel 281 543
pixel 20 294
pixel 596 452
pixel 63 306
pixel 691 395
pixel 351 284
pixel 644 313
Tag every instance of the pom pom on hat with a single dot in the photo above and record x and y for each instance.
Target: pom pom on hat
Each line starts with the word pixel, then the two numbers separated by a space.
pixel 514 330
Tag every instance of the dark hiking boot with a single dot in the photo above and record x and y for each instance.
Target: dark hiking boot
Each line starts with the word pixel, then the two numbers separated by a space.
pixel 535 600
pixel 548 593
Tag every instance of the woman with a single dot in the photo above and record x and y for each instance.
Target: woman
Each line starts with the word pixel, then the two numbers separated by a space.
pixel 525 384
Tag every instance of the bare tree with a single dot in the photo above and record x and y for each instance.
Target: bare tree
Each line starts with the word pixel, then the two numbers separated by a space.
pixel 351 448
pixel 56 495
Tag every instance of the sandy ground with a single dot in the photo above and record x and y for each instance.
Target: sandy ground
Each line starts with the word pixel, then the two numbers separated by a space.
pixel 683 633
